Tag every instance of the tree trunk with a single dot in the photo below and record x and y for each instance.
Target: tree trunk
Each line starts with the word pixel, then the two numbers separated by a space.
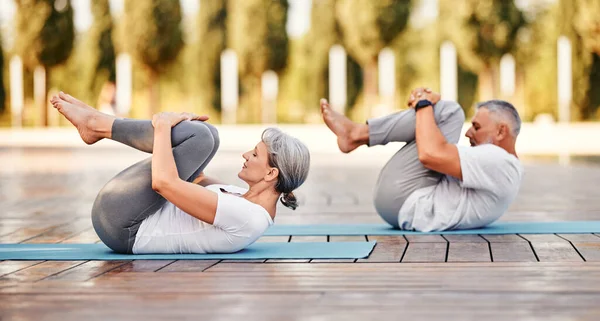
pixel 40 79
pixel 370 86
pixel 486 85
pixel 154 94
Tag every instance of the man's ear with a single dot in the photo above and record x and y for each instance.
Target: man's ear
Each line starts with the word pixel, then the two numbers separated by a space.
pixel 272 174
pixel 503 131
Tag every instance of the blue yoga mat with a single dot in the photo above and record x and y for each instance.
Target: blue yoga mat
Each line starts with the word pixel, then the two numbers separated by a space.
pixel 575 227
pixel 275 250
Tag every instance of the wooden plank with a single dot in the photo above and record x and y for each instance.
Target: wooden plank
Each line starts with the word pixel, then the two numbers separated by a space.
pixel 468 248
pixel 389 248
pixel 504 238
pixel 580 237
pixel 467 238
pixel 87 236
pixel 189 266
pixel 543 238
pixel 26 233
pixel 85 271
pixel 60 233
pixel 142 266
pixel 425 248
pixel 338 238
pixel 589 250
pixel 427 238
pixel 512 252
pixel 552 248
pixel 40 271
pixel 588 245
pixel 510 248
pixel 8 267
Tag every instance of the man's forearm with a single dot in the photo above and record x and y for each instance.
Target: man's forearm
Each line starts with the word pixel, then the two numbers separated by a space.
pixel 164 168
pixel 428 135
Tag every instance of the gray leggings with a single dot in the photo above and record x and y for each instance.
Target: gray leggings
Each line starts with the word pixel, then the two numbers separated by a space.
pixel 404 173
pixel 127 199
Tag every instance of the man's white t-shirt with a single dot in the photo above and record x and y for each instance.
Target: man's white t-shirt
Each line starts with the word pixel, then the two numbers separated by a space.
pixel 491 181
pixel 238 223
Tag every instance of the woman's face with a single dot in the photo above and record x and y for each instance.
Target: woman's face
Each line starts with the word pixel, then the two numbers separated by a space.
pixel 256 165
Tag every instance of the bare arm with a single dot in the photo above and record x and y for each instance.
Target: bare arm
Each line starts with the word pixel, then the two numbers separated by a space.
pixel 193 199
pixel 435 153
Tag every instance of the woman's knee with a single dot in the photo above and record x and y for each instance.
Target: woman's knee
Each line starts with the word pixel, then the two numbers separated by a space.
pixel 215 135
pixel 200 136
pixel 386 205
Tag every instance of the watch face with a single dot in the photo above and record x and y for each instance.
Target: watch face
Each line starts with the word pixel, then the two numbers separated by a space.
pixel 423 103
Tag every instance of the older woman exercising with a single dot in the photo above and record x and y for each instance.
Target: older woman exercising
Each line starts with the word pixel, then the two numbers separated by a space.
pixel 165 203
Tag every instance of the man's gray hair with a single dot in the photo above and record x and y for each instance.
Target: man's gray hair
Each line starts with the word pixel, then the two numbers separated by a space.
pixel 292 158
pixel 505 110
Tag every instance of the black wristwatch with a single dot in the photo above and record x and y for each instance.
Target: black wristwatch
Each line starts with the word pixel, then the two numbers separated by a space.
pixel 422 104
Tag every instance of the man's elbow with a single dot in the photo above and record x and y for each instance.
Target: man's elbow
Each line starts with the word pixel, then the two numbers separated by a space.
pixel 427 158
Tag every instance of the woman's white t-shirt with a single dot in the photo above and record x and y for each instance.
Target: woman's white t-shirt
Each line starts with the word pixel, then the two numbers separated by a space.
pixel 238 223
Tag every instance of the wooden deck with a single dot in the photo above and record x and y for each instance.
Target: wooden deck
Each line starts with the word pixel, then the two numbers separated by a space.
pixel 46 196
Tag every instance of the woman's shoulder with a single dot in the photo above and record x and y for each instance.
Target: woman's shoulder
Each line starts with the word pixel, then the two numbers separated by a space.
pixel 224 188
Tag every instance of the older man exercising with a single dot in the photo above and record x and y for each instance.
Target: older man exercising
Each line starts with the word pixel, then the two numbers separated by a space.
pixel 431 184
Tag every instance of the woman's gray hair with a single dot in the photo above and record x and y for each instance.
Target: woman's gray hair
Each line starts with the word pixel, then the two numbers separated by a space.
pixel 505 110
pixel 292 158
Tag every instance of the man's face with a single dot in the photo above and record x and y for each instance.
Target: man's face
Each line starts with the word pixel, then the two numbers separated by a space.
pixel 484 128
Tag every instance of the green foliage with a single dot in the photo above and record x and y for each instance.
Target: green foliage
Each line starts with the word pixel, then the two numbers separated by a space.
pixel 256 32
pixel 45 32
pixel 587 24
pixel 483 30
pixel 369 26
pixel 153 31
pixel 212 40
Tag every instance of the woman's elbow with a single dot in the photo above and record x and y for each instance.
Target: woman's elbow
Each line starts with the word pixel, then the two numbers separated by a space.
pixel 160 183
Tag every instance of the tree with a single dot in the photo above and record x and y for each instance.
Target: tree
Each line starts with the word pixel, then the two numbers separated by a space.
pixel 154 37
pixel 212 34
pixel 367 27
pixel 256 32
pixel 483 32
pixel 100 48
pixel 587 23
pixel 45 34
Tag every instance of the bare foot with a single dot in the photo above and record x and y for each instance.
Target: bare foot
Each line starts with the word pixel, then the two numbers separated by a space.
pixel 81 117
pixel 347 132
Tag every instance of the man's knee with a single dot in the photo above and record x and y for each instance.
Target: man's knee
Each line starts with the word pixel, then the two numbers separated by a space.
pixel 450 111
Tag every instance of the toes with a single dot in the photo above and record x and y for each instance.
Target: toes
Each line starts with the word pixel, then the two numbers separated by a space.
pixel 63 96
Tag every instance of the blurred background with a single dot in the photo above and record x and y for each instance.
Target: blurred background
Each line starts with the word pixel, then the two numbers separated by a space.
pixel 269 61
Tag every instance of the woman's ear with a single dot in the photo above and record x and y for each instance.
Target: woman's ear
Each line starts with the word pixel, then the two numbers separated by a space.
pixel 272 174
